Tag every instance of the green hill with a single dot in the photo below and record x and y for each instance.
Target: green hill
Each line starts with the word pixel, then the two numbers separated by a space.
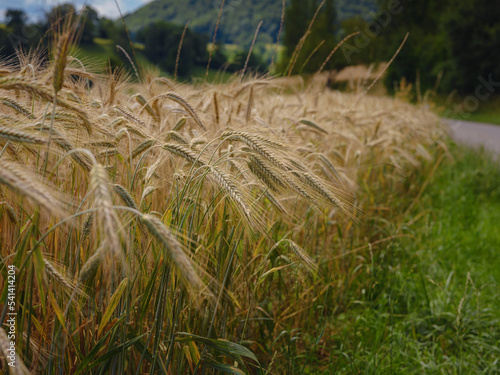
pixel 239 20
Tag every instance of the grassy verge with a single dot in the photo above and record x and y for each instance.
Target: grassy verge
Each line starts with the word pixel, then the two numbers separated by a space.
pixel 100 53
pixel 431 303
pixel 486 117
pixel 456 108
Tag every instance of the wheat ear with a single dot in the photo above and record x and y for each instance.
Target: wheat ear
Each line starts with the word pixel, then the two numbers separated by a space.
pixel 61 59
pixel 265 173
pixel 142 147
pixel 11 214
pixel 223 180
pixel 19 136
pixel 107 219
pixel 17 83
pixel 91 265
pixel 16 106
pixel 27 184
pixel 142 101
pixel 81 158
pixel 130 116
pixel 176 137
pixel 255 144
pixel 125 196
pixel 162 234
pixel 179 100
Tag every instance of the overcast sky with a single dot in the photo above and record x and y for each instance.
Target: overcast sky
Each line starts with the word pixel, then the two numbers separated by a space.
pixel 36 8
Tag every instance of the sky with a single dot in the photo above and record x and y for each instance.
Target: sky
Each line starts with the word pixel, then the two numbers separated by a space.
pixel 35 8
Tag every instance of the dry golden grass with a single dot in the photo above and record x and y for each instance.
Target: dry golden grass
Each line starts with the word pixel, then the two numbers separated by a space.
pixel 225 207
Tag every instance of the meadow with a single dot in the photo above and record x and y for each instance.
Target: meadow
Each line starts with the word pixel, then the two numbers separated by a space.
pixel 160 227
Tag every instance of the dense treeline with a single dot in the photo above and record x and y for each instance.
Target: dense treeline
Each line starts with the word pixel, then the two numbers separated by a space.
pixel 160 41
pixel 310 35
pixel 450 46
pixel 19 34
pixel 161 45
pixel 239 18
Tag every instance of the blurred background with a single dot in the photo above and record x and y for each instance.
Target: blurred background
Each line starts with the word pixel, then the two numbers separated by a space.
pixel 451 58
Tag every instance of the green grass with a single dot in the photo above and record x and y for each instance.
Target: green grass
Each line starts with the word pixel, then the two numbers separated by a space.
pixel 487 112
pixel 487 116
pixel 103 49
pixel 430 303
pixel 214 76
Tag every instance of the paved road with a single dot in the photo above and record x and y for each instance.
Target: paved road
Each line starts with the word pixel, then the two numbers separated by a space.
pixel 476 134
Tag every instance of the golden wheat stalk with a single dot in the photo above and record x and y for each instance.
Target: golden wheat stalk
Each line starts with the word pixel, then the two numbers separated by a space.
pixel 80 73
pixel 80 158
pixel 17 83
pixel 61 277
pixel 106 215
pixel 163 235
pixel 255 144
pixel 226 183
pixel 183 103
pixel 176 137
pixel 130 116
pixel 142 147
pixel 142 101
pixel 300 252
pixel 87 226
pixel 135 130
pixel 91 265
pixel 117 122
pixel 274 201
pixel 216 108
pixel 220 177
pixel 263 171
pixel 61 59
pixel 11 214
pixel 183 152
pixel 251 48
pixel 179 49
pixel 28 185
pixel 66 117
pixel 99 144
pixel 75 98
pixel 19 136
pixel 178 126
pixel 249 106
pixel 16 106
pixel 108 153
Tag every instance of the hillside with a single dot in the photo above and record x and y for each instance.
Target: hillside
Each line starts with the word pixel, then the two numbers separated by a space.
pixel 239 18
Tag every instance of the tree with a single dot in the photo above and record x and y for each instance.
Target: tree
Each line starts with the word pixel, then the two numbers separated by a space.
pixel 316 45
pixel 16 20
pixel 219 58
pixel 426 52
pixel 107 28
pixel 363 48
pixel 59 14
pixel 459 39
pixel 90 23
pixel 161 40
pixel 255 63
pixel 474 34
pixel 18 34
pixel 295 24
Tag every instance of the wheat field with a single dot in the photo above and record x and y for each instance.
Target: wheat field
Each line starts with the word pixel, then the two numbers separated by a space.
pixel 161 227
